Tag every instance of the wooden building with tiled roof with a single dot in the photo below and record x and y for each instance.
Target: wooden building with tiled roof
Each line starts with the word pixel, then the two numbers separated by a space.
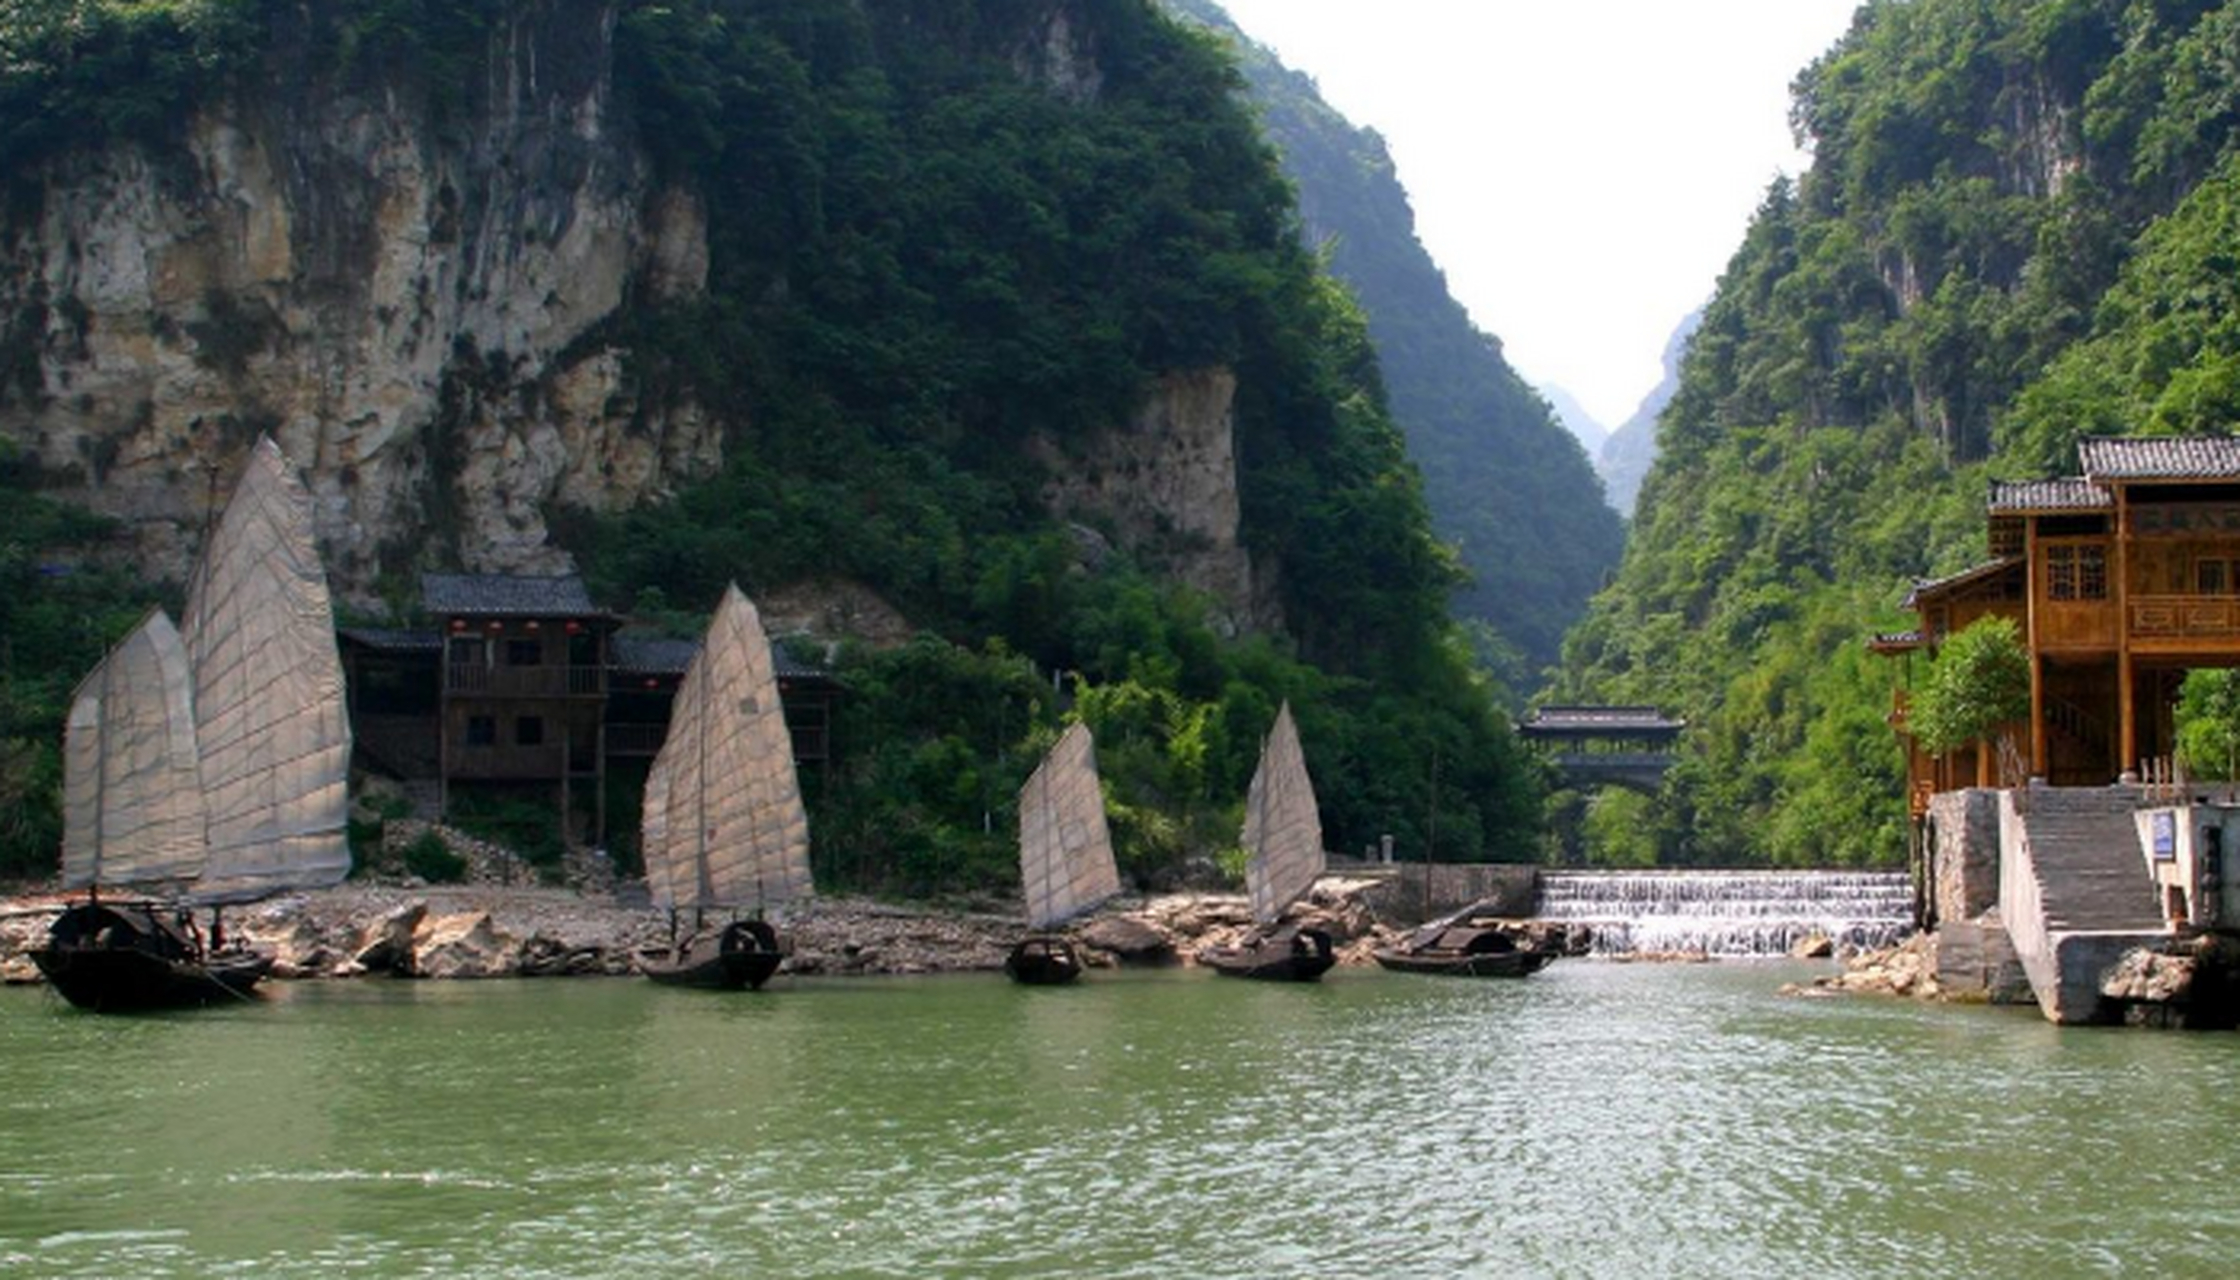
pixel 2120 579
pixel 525 684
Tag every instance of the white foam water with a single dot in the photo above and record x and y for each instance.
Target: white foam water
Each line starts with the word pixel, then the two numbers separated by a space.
pixel 1729 913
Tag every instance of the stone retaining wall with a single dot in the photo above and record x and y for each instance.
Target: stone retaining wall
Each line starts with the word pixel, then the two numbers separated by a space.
pixel 1964 853
pixel 1502 889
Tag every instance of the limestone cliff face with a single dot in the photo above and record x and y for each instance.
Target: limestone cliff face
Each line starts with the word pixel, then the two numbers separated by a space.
pixel 414 289
pixel 1165 485
pixel 406 299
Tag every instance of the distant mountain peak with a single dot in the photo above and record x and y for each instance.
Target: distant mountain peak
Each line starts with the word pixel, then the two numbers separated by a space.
pixel 1575 417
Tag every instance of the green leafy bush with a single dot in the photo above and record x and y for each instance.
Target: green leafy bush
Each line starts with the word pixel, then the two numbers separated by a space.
pixel 1981 682
pixel 429 858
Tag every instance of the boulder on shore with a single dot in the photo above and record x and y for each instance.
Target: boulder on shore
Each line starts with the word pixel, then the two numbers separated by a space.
pixel 1129 940
pixel 466 945
pixel 2192 982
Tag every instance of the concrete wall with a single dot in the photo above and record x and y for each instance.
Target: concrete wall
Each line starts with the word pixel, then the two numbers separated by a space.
pixel 2190 852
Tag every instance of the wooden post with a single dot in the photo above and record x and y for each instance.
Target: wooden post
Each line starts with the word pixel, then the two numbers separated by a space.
pixel 2031 606
pixel 567 771
pixel 443 731
pixel 2128 754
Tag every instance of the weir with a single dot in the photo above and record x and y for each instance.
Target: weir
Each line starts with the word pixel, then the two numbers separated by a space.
pixel 1729 913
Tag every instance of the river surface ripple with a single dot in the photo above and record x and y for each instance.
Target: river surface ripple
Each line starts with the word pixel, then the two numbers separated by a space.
pixel 1599 1119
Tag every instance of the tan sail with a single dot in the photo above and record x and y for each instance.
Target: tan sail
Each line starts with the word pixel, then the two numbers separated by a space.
pixel 1065 845
pixel 132 795
pixel 669 878
pixel 723 816
pixel 270 721
pixel 1282 825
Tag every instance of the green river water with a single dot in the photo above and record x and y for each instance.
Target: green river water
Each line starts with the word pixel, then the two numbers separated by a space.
pixel 1599 1119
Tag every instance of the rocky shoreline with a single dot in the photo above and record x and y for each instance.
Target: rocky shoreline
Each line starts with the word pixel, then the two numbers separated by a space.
pixel 498 931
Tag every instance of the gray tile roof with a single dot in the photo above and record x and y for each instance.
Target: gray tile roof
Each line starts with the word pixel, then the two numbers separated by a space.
pixel 2071 494
pixel 1598 720
pixel 2160 458
pixel 506 595
pixel 652 655
pixel 1974 573
pixel 391 640
pixel 658 656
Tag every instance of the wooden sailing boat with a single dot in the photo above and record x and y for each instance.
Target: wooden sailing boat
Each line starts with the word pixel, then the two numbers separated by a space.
pixel 1065 857
pixel 723 827
pixel 1459 948
pixel 1283 843
pixel 206 765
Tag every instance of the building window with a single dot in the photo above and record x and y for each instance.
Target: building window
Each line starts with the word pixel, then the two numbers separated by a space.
pixel 2211 578
pixel 528 731
pixel 2077 572
pixel 524 653
pixel 482 731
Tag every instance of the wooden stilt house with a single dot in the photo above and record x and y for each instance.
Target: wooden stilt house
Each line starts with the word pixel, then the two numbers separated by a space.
pixel 524 684
pixel 2120 581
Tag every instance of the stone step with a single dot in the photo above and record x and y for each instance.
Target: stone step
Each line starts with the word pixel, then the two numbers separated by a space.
pixel 2085 846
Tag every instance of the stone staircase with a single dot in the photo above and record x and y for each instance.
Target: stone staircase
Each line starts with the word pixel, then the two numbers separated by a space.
pixel 2074 891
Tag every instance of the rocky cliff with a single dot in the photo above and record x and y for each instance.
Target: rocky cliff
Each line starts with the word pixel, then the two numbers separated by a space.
pixel 407 301
pixel 414 287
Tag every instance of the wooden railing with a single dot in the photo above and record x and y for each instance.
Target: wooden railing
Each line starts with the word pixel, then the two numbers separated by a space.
pixel 635 739
pixel 2185 617
pixel 525 682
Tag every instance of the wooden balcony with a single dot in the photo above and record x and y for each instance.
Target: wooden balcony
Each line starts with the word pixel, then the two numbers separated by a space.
pixel 2186 619
pixel 525 682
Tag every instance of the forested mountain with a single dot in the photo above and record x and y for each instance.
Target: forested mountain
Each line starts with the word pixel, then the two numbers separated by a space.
pixel 1575 418
pixel 1507 484
pixel 997 314
pixel 2019 226
pixel 1626 454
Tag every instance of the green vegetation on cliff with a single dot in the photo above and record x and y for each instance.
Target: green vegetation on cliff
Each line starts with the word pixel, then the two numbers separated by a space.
pixel 2017 228
pixel 986 261
pixel 931 245
pixel 1506 483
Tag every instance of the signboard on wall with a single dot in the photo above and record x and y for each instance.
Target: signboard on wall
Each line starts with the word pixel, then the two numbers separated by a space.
pixel 2165 835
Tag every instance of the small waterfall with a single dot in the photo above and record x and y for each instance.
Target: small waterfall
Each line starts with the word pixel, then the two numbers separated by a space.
pixel 1729 913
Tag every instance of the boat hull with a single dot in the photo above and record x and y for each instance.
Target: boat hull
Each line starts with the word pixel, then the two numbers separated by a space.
pixel 1464 952
pixel 1043 962
pixel 110 959
pixel 1303 955
pixel 740 958
pixel 1460 964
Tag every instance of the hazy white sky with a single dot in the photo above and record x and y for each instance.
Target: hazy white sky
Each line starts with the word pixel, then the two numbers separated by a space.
pixel 1581 169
